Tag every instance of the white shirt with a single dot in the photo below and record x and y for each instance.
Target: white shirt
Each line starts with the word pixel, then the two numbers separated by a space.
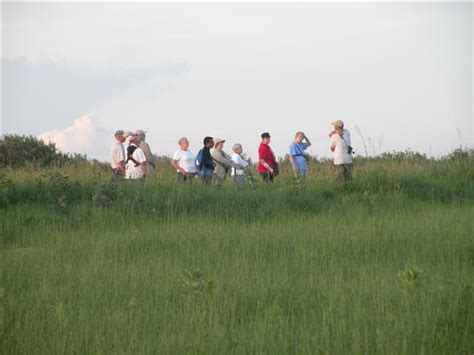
pixel 186 161
pixel 237 159
pixel 132 171
pixel 341 155
pixel 117 154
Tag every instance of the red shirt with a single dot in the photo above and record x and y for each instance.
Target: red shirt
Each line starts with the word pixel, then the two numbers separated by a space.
pixel 265 153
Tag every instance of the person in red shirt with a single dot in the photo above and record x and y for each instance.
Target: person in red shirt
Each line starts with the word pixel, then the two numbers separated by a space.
pixel 267 164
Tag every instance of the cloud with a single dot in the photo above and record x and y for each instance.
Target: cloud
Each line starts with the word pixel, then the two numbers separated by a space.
pixel 78 138
pixel 54 90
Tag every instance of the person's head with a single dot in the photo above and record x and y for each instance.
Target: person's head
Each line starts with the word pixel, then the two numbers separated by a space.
pixel 237 148
pixel 140 134
pixel 219 143
pixel 338 125
pixel 135 139
pixel 266 138
pixel 208 142
pixel 119 135
pixel 299 136
pixel 183 143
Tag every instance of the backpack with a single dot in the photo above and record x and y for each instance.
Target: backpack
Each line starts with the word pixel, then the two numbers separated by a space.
pixel 130 150
pixel 199 159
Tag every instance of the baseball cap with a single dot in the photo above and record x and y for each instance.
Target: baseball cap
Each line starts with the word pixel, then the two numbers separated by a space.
pixel 219 140
pixel 128 134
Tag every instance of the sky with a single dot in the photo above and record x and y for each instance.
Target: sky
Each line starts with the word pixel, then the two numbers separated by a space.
pixel 399 75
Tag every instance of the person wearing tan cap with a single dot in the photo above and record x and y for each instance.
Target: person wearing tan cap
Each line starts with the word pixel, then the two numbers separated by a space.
pixel 342 149
pixel 117 156
pixel 223 161
pixel 146 149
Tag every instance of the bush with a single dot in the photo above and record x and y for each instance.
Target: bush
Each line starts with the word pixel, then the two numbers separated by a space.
pixel 18 151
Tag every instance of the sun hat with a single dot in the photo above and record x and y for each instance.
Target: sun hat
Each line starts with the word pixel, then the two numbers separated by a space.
pixel 140 132
pixel 218 140
pixel 338 123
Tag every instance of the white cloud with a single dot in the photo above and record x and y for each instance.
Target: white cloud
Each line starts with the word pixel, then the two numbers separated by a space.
pixel 78 138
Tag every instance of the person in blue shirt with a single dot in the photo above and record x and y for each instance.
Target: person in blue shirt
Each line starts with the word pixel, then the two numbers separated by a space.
pixel 298 155
pixel 204 161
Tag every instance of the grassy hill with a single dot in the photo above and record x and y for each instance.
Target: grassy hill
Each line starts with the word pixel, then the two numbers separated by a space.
pixel 384 264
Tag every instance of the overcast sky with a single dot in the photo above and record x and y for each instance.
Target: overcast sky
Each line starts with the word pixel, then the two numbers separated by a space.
pixel 402 73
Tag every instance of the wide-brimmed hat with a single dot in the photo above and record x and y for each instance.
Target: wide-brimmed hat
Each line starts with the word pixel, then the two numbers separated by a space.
pixel 338 123
pixel 218 140
pixel 140 132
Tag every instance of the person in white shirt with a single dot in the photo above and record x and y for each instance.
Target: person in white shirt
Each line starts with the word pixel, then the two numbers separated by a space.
pixel 342 148
pixel 184 161
pixel 136 167
pixel 117 156
pixel 238 171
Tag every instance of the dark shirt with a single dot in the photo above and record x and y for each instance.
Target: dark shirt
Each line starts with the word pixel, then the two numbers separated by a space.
pixel 207 161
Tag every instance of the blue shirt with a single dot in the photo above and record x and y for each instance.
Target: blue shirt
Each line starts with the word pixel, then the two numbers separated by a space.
pixel 297 150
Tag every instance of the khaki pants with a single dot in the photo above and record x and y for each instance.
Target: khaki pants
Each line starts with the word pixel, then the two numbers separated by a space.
pixel 343 172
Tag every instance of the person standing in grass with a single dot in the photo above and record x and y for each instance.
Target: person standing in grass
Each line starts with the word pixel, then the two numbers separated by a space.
pixel 204 162
pixel 342 150
pixel 184 161
pixel 298 155
pixel 136 166
pixel 117 156
pixel 223 162
pixel 267 164
pixel 238 172
pixel 147 151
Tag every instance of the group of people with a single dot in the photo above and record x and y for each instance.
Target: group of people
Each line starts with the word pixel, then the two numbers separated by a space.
pixel 212 164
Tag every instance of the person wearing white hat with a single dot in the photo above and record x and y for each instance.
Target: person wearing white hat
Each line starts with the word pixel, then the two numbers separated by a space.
pixel 146 150
pixel 342 149
pixel 223 161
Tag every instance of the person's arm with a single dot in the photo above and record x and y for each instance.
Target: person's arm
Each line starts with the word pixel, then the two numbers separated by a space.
pixel 228 160
pixel 140 157
pixel 121 167
pixel 148 155
pixel 266 166
pixel 308 142
pixel 293 165
pixel 292 160
pixel 333 143
pixel 144 167
pixel 174 163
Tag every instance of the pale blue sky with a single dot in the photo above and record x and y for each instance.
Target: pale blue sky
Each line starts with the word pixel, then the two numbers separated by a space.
pixel 400 72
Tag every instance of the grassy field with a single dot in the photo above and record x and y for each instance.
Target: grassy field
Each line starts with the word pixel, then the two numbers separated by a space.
pixel 382 265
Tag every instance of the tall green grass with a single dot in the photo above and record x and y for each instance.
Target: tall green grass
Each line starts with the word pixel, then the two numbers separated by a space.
pixel 382 265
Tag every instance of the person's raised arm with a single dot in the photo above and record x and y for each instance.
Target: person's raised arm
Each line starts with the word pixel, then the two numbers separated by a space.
pixel 308 142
